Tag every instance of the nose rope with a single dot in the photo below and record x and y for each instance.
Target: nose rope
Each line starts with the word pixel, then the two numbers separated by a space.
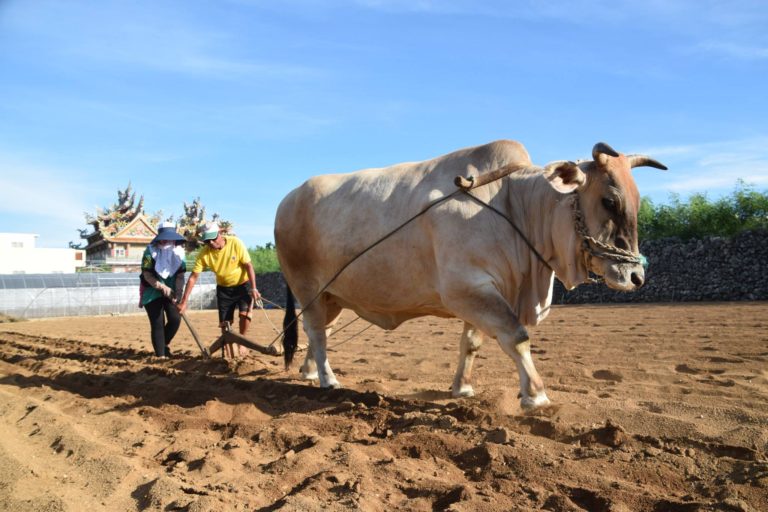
pixel 606 251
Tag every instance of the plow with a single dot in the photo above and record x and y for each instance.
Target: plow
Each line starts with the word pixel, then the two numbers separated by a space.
pixel 228 336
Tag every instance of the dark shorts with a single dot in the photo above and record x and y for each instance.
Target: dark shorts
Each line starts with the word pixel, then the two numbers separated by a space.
pixel 231 297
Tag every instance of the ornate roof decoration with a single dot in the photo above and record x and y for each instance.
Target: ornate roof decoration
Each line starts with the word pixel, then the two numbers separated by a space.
pixel 109 221
pixel 126 221
pixel 138 230
pixel 191 223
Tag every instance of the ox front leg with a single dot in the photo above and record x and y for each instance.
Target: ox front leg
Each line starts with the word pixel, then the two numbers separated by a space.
pixel 489 312
pixel 471 340
pixel 518 347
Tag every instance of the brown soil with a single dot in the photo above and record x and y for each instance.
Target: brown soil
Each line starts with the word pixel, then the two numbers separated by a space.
pixel 657 408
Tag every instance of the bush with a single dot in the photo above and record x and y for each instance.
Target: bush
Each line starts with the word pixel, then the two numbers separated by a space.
pixel 743 210
pixel 264 258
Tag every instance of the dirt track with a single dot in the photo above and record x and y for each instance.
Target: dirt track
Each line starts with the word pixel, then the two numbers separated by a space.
pixel 657 408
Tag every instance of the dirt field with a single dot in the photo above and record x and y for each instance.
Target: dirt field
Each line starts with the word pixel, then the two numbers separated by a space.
pixel 657 408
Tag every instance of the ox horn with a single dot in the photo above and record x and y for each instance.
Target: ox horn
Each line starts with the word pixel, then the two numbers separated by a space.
pixel 644 161
pixel 601 148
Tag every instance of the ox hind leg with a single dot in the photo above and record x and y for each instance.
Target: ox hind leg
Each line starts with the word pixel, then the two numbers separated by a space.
pixel 318 321
pixel 487 310
pixel 471 340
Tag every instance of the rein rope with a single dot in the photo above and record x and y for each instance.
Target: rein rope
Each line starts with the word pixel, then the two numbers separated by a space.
pixel 260 304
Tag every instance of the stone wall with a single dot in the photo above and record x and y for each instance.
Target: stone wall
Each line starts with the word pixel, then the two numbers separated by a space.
pixel 712 269
pixel 272 287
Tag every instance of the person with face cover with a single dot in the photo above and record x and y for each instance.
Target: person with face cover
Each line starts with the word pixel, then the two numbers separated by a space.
pixel 162 281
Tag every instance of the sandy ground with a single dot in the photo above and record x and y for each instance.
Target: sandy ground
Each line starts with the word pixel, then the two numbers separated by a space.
pixel 656 408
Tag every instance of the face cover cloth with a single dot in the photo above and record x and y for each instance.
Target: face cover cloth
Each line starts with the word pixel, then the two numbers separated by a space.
pixel 167 259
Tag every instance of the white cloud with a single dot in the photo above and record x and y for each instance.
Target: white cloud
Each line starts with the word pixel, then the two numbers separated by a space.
pixel 150 35
pixel 699 15
pixel 43 200
pixel 714 183
pixel 734 50
pixel 713 168
pixel 37 192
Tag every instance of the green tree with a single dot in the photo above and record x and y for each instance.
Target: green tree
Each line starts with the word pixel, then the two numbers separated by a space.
pixel 742 210
pixel 264 259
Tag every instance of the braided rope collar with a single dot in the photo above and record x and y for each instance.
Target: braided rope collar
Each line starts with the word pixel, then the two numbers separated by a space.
pixel 600 249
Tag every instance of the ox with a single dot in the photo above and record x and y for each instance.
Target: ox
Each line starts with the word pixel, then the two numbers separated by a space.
pixel 489 260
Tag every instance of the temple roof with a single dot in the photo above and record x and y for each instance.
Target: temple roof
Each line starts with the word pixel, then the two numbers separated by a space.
pixel 137 231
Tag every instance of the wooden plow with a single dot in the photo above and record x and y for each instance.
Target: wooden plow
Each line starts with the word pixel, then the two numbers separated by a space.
pixel 229 336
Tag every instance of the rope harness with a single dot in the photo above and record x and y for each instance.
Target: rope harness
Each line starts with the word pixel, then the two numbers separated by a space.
pixel 603 250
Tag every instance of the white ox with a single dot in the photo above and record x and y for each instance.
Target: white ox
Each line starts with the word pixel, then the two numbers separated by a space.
pixel 460 258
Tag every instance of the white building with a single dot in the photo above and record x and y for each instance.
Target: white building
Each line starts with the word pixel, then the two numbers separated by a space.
pixel 18 255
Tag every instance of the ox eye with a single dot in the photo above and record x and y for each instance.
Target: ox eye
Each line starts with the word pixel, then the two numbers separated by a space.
pixel 611 205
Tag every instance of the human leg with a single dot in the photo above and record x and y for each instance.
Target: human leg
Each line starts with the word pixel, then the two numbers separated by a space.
pixel 226 303
pixel 172 322
pixel 244 303
pixel 154 311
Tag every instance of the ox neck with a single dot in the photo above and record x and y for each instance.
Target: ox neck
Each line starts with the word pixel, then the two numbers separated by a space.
pixel 554 232
pixel 509 220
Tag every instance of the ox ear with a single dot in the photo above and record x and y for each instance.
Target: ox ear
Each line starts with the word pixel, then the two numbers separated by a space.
pixel 565 177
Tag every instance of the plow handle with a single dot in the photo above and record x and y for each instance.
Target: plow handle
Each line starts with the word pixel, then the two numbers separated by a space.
pixel 205 352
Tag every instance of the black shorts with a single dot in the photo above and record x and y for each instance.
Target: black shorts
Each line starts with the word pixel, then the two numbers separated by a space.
pixel 229 297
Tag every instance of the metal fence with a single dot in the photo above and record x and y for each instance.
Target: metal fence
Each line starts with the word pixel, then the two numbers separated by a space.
pixel 85 294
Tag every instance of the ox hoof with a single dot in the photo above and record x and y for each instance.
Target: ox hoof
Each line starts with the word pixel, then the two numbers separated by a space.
pixel 465 391
pixel 310 375
pixel 529 403
pixel 334 384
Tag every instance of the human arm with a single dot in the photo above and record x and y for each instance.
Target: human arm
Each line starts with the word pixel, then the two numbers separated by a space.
pixel 187 291
pixel 252 278
pixel 179 284
pixel 151 279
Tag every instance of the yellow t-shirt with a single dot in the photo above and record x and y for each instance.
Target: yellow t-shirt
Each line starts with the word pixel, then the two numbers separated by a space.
pixel 228 263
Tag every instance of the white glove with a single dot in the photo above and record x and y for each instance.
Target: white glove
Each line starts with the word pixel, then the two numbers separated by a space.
pixel 165 290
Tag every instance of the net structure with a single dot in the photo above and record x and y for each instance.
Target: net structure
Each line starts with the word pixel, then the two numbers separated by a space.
pixel 85 294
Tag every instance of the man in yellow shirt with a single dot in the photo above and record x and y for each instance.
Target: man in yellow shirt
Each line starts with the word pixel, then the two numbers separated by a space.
pixel 228 258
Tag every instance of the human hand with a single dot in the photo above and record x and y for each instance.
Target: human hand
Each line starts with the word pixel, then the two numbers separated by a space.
pixel 165 290
pixel 182 306
pixel 255 293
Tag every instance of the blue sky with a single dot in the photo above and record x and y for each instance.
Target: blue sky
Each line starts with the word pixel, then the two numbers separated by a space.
pixel 239 101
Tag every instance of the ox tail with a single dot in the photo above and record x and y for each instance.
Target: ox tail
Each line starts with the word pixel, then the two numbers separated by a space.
pixel 290 328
